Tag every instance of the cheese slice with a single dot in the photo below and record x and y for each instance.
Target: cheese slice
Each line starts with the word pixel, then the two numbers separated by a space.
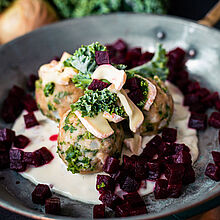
pixel 65 56
pixel 112 74
pixel 112 117
pixel 97 125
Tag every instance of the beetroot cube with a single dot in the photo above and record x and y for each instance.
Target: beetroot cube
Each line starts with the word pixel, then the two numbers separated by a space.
pixel 214 120
pixel 189 174
pixel 191 99
pixel 198 121
pixel 133 54
pixel 129 164
pixel 123 210
pixel 193 87
pixel 210 100
pixel 16 155
pixel 111 165
pixel 146 56
pixel 41 193
pixel 30 120
pixel 152 147
pixel 203 92
pixel 181 147
pixel 46 154
pixel 120 176
pixel 213 172
pixel 104 183
pixel 174 173
pixel 7 136
pixel 31 82
pixel 120 45
pixel 37 159
pixel 18 166
pixel 169 134
pixel 217 105
pixel 99 211
pixel 216 157
pixel 130 185
pixel 154 170
pixel 4 160
pixel 52 206
pixel 133 83
pixel 166 149
pixel 176 57
pixel 136 96
pixel 134 199
pixel 29 103
pixel 141 169
pixel 21 141
pixel 198 107
pixel 182 84
pixel 160 189
pixel 182 157
pixel 28 158
pixel 101 57
pixel 3 147
pixel 97 84
pixel 174 190
pixel 109 199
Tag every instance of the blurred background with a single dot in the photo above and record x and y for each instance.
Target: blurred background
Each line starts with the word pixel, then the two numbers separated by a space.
pixel 18 17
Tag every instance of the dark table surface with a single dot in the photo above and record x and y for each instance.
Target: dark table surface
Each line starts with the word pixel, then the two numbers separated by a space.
pixel 191 9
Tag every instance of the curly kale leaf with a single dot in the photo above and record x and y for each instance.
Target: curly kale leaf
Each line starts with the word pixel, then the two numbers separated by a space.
pixel 94 102
pixel 156 67
pixel 84 60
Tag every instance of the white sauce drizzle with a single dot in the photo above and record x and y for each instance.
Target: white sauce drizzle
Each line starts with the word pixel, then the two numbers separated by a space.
pixel 83 187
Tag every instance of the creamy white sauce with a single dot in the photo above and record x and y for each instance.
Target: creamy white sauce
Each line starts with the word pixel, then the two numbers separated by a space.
pixel 83 187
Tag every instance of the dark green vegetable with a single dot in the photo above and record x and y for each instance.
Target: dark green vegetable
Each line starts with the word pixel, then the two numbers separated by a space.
pixel 144 89
pixel 4 4
pixel 156 67
pixel 94 102
pixel 84 61
pixel 49 89
pixel 76 8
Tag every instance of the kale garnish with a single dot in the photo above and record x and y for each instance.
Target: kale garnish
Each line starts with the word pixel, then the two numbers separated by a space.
pixel 94 102
pixel 49 89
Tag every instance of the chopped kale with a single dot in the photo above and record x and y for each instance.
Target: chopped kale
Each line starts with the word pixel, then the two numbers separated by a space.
pixel 94 102
pixel 51 107
pixel 144 89
pixel 59 96
pixel 49 89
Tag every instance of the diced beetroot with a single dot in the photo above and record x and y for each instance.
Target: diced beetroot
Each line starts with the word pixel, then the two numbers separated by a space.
pixel 28 158
pixel 217 105
pixel 133 54
pixel 120 176
pixel 182 157
pixel 37 159
pixel 134 199
pixel 136 96
pixel 182 84
pixel 174 190
pixel 213 172
pixel 189 174
pixel 166 149
pixel 219 137
pixel 174 173
pixel 203 92
pixel 183 75
pixel 52 206
pixel 16 155
pixel 130 185
pixel 152 147
pixel 214 120
pixel 7 136
pixel 111 165
pixel 46 155
pixel 111 50
pixel 141 169
pixel 123 210
pixel 99 211
pixel 169 134
pixel 160 189
pixel 198 108
pixel 140 210
pixel 30 120
pixel 146 56
pixel 101 57
pixel 17 92
pixel 18 166
pixel 97 84
pixel 120 45
pixel 181 147
pixel 198 121
pixel 41 193
pixel 4 160
pixel 21 141
pixel 31 82
pixel 129 164
pixel 176 57
pixel 29 103
pixel 154 170
pixel 133 83
pixel 118 60
pixel 3 147
pixel 191 99
pixel 216 157
pixel 210 100
pixel 193 87
pixel 109 199
pixel 104 183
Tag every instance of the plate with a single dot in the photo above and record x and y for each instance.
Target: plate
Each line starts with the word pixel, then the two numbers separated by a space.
pixel 24 55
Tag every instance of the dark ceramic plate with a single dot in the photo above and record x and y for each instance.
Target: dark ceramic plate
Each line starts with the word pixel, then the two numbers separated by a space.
pixel 24 55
